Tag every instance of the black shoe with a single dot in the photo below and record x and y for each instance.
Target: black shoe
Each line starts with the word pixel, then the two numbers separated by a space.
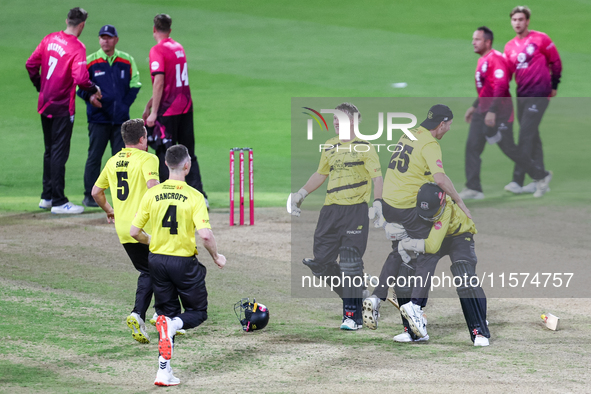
pixel 89 202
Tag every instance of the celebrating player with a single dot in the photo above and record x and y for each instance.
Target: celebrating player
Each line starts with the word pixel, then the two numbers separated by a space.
pixel 177 212
pixel 533 58
pixel 349 165
pixel 491 116
pixel 452 234
pixel 412 164
pixel 117 72
pixel 131 172
pixel 170 109
pixel 61 57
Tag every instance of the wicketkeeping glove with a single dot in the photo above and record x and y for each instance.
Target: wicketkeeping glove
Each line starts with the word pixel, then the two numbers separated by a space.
pixel 375 212
pixel 296 201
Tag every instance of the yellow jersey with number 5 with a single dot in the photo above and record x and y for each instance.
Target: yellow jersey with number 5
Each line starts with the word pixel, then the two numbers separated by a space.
pixel 127 174
pixel 411 165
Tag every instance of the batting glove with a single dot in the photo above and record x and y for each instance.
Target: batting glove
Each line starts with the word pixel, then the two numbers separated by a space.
pixel 404 254
pixel 413 245
pixel 495 138
pixel 375 212
pixel 296 201
pixel 395 232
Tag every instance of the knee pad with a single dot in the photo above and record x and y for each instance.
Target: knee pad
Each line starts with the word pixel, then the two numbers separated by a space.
pixel 472 298
pixel 323 269
pixel 350 261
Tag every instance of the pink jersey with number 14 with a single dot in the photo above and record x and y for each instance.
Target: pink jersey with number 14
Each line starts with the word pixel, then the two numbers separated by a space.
pixel 168 58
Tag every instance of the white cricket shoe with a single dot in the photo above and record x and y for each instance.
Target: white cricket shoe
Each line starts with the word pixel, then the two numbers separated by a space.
pixel 470 194
pixel 514 187
pixel 138 328
pixel 67 208
pixel 166 333
pixel 405 337
pixel 414 314
pixel 543 185
pixel 480 340
pixel 529 188
pixel 164 377
pixel 350 325
pixel 153 322
pixel 371 314
pixel 45 204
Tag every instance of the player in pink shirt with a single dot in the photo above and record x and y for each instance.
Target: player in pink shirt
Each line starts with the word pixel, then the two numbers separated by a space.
pixel 169 113
pixel 491 115
pixel 56 66
pixel 533 58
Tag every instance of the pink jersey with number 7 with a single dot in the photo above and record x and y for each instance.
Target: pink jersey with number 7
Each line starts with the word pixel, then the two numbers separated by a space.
pixel 56 66
pixel 168 58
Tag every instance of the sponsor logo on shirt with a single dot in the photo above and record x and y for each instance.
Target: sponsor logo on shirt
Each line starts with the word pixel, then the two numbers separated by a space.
pixel 155 65
pixel 484 67
pixel 98 73
pixel 437 226
pixel 530 49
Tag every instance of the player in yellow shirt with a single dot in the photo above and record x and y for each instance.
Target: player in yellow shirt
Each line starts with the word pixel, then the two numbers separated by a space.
pixel 177 212
pixel 412 164
pixel 129 174
pixel 342 229
pixel 452 234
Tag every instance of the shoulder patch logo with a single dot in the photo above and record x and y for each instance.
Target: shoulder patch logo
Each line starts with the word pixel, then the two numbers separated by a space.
pixel 155 65
pixel 499 73
pixel 437 226
pixel 439 163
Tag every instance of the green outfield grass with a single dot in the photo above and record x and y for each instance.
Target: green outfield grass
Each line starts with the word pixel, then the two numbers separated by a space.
pixel 248 59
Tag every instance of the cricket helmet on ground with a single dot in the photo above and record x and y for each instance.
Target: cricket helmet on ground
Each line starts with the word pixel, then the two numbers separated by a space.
pixel 252 315
pixel 430 202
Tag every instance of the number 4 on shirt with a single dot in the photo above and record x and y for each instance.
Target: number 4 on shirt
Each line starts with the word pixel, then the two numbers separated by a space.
pixel 169 220
pixel 182 77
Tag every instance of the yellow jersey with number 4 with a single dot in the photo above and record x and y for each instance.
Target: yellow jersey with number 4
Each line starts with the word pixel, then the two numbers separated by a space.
pixel 127 174
pixel 411 165
pixel 176 211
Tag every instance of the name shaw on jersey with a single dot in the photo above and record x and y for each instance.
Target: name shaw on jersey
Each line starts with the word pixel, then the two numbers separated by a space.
pixel 170 196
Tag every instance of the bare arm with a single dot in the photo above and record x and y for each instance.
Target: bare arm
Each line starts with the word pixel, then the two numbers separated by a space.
pixel 315 181
pixel 446 184
pixel 99 196
pixel 209 243
pixel 152 182
pixel 140 235
pixel 378 187
pixel 147 110
pixel 157 89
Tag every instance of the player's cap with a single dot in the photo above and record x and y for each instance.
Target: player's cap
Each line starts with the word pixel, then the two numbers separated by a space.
pixel 431 202
pixel 108 30
pixel 437 114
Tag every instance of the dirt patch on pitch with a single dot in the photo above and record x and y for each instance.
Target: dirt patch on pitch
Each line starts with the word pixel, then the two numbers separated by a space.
pixel 523 356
